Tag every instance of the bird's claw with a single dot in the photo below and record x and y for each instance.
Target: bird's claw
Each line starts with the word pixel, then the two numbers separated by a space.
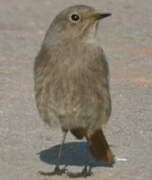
pixel 84 173
pixel 59 171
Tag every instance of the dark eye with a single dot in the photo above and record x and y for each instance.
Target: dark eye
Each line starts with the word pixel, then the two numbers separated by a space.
pixel 75 18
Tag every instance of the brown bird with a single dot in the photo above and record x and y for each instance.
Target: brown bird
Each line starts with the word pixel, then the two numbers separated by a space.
pixel 72 79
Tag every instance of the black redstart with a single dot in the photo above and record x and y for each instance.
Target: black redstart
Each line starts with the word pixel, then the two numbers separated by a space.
pixel 71 79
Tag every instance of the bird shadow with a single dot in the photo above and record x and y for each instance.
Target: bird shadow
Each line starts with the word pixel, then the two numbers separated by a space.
pixel 74 154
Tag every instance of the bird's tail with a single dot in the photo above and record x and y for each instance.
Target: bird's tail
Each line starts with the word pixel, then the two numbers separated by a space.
pixel 99 147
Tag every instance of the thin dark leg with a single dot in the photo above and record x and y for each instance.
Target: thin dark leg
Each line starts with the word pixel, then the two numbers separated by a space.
pixel 57 168
pixel 86 171
pixel 87 168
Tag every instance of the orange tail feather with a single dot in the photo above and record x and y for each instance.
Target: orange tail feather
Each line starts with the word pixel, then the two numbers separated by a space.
pixel 99 147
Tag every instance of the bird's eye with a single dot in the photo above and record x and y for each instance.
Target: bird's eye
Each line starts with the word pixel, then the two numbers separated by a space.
pixel 74 18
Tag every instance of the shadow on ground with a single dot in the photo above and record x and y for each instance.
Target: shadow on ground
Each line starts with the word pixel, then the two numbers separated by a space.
pixel 74 154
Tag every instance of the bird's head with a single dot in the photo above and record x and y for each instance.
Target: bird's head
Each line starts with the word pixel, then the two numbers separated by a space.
pixel 76 22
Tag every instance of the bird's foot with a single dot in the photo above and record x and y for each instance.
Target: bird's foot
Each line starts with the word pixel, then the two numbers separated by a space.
pixel 57 171
pixel 87 171
pixel 84 173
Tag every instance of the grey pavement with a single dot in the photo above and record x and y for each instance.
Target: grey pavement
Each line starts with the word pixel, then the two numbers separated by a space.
pixel 27 145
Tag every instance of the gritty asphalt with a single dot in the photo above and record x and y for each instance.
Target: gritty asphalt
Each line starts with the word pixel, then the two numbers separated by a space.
pixel 27 145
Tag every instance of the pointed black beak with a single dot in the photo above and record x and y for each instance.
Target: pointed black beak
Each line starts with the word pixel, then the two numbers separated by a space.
pixel 102 15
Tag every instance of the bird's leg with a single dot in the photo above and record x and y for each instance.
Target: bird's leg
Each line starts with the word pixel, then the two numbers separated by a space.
pixel 86 171
pixel 87 168
pixel 57 169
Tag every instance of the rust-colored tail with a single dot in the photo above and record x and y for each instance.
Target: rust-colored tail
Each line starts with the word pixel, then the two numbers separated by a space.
pixel 99 147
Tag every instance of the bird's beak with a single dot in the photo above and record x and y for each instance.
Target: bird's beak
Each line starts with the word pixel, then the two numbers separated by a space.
pixel 101 15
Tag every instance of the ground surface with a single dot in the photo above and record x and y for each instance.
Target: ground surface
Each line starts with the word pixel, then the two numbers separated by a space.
pixel 26 144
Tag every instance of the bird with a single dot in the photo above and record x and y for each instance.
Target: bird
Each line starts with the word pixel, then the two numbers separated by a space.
pixel 71 80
